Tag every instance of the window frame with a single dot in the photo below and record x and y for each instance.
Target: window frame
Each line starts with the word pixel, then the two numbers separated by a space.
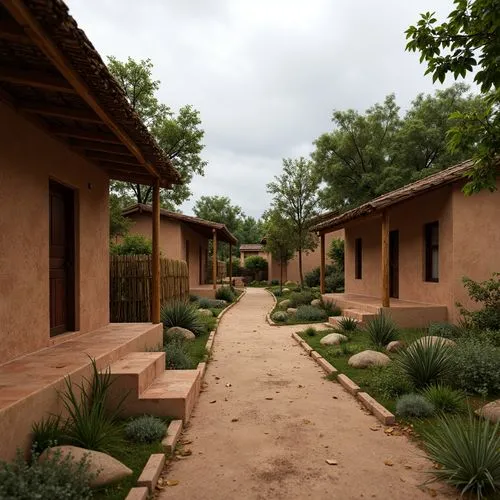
pixel 358 258
pixel 429 248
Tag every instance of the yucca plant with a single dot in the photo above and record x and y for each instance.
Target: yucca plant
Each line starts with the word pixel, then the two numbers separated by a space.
pixel 183 314
pixel 347 325
pixel 467 452
pixel 331 308
pixel 381 330
pixel 225 293
pixel 91 424
pixel 48 432
pixel 426 361
pixel 444 398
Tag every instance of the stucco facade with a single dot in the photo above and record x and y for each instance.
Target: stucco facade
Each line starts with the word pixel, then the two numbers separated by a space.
pixel 469 244
pixel 30 159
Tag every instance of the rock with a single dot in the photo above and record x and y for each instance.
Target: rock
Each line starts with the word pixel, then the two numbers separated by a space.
pixel 333 339
pixel 290 283
pixel 433 340
pixel 284 304
pixel 490 411
pixel 285 290
pixel 369 358
pixel 291 310
pixel 177 330
pixel 106 469
pixel 316 302
pixel 395 346
pixel 206 312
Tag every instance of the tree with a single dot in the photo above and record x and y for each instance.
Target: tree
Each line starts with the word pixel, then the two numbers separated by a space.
pixel 133 244
pixel 180 136
pixel 219 209
pixel 118 224
pixel 256 265
pixel 249 230
pixel 295 197
pixel 467 42
pixel 279 240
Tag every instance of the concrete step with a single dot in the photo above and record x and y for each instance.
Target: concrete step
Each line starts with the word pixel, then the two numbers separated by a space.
pixel 361 316
pixel 334 320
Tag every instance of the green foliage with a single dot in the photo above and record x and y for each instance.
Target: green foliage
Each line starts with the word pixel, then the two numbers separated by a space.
pixel 225 293
pixel 330 308
pixel 445 330
pixel 49 431
pixel 183 314
pixel 300 298
pixel 310 332
pixel 295 198
pixel 255 263
pixel 118 224
pixel 381 330
pixel 176 355
pixel 279 316
pixel 486 293
pixel 467 43
pixel 467 452
pixel 206 303
pixel 392 382
pixel 219 209
pixel 413 405
pixel 444 398
pixel 336 253
pixel 334 278
pixel 475 365
pixel 57 477
pixel 310 313
pixel 426 362
pixel 133 244
pixel 145 429
pixel 347 325
pixel 91 423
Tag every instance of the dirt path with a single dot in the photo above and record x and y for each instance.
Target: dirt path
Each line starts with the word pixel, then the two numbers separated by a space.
pixel 268 435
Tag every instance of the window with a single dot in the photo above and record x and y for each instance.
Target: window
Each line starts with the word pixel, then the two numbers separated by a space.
pixel 187 253
pixel 432 252
pixel 358 258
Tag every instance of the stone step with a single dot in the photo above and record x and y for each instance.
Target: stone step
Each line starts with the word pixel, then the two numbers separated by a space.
pixel 136 371
pixel 361 316
pixel 334 320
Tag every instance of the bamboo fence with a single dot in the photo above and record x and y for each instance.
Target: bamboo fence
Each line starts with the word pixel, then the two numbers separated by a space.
pixel 130 286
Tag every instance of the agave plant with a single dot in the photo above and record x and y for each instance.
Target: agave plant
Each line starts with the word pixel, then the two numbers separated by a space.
pixel 427 361
pixel 445 399
pixel 347 324
pixel 467 451
pixel 382 330
pixel 183 314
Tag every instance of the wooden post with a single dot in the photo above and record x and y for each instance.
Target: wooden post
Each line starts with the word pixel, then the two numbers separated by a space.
pixel 155 261
pixel 385 259
pixel 214 259
pixel 322 264
pixel 230 264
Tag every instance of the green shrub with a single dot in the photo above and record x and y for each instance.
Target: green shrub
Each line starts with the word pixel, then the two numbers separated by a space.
pixel 91 424
pixel 381 330
pixel 56 477
pixel 476 366
pixel 445 330
pixel 347 325
pixel 225 293
pixel 255 263
pixel 310 313
pixel 183 314
pixel 392 382
pixel 414 405
pixel 49 431
pixel 426 362
pixel 279 316
pixel 133 244
pixel 176 354
pixel 444 398
pixel 310 332
pixel 205 303
pixel 312 277
pixel 330 308
pixel 300 298
pixel 275 282
pixel 334 282
pixel 466 451
pixel 145 429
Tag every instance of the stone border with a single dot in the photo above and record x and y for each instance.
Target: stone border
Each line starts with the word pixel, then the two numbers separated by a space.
pixel 151 472
pixel 373 406
pixel 268 315
pixel 173 433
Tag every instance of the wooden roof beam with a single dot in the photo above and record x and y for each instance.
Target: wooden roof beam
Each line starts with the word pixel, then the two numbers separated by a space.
pixel 37 79
pixel 91 135
pixel 127 176
pixel 10 30
pixel 101 147
pixel 79 114
pixel 112 158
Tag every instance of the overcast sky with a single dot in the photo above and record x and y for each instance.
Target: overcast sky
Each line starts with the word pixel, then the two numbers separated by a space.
pixel 264 74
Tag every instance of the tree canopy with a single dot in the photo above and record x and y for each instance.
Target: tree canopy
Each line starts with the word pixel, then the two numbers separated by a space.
pixel 468 42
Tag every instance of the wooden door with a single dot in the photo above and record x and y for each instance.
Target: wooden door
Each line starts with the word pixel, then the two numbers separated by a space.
pixel 61 259
pixel 394 264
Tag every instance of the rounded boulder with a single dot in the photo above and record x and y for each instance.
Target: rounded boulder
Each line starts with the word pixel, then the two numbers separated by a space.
pixel 490 411
pixel 333 339
pixel 395 346
pixel 284 304
pixel 369 358
pixel 291 310
pixel 104 468
pixel 177 330
pixel 432 339
pixel 206 312
pixel 316 302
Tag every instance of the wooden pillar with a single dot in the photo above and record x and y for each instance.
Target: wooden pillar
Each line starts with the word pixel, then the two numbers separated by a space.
pixel 155 260
pixel 214 259
pixel 322 263
pixel 385 259
pixel 230 264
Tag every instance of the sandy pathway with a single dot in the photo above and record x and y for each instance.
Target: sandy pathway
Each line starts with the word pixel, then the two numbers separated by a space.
pixel 290 420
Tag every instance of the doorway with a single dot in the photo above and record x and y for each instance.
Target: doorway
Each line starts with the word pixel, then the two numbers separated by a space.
pixel 61 259
pixel 394 264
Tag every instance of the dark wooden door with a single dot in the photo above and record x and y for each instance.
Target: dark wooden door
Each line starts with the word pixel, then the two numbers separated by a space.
pixel 61 257
pixel 394 264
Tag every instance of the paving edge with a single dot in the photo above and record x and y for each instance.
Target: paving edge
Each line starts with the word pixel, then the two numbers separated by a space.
pixel 169 442
pixel 138 493
pixel 382 414
pixel 151 472
pixel 268 315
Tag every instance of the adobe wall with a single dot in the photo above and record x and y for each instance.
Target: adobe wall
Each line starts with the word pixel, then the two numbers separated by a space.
pixel 29 158
pixel 197 245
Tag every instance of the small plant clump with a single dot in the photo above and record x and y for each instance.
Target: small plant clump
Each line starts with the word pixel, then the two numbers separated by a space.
pixel 176 354
pixel 330 308
pixel 382 330
pixel 206 303
pixel 56 477
pixel 445 399
pixel 310 313
pixel 182 314
pixel 414 405
pixel 466 451
pixel 225 293
pixel 48 432
pixel 311 331
pixel 392 382
pixel 145 429
pixel 279 316
pixel 445 330
pixel 347 324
